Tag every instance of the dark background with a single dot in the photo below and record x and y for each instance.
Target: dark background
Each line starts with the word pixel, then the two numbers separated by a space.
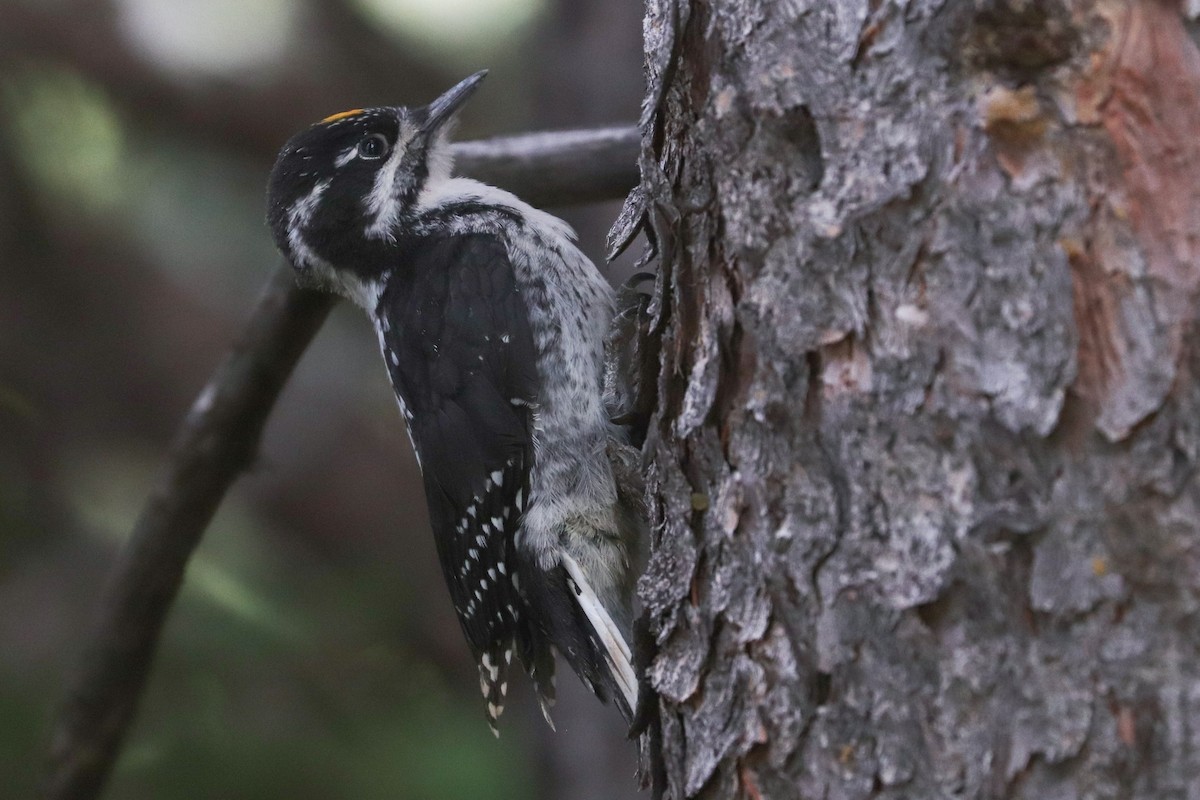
pixel 313 652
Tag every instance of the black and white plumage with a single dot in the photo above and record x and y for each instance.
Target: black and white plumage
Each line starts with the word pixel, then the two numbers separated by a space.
pixel 492 326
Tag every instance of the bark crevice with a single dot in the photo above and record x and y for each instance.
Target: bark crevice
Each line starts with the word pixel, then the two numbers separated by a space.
pixel 926 356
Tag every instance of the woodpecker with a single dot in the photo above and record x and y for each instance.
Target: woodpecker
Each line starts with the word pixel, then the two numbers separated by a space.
pixel 492 326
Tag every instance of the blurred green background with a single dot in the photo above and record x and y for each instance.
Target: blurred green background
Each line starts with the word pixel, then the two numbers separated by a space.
pixel 313 652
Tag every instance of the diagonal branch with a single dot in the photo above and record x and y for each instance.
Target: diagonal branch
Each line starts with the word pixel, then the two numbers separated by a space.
pixel 220 436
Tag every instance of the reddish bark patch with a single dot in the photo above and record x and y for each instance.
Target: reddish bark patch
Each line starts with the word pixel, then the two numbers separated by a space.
pixel 1152 116
pixel 1014 120
pixel 1126 726
pixel 749 785
pixel 1097 309
pixel 1143 91
pixel 845 368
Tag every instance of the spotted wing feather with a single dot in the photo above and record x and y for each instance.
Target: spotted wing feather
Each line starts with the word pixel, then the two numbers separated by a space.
pixel 461 355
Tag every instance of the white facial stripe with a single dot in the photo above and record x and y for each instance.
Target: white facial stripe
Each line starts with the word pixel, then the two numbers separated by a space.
pixel 383 201
pixel 299 215
pixel 438 157
pixel 363 293
pixel 302 210
pixel 346 156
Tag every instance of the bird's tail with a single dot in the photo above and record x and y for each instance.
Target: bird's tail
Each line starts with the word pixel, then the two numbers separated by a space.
pixel 610 641
pixel 587 623
pixel 538 656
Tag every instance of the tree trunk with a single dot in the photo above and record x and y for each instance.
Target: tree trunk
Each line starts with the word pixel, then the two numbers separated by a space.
pixel 927 427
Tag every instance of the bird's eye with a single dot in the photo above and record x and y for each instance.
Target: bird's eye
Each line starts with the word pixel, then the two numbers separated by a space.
pixel 373 147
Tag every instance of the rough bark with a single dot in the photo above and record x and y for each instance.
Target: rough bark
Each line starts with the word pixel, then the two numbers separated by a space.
pixel 928 415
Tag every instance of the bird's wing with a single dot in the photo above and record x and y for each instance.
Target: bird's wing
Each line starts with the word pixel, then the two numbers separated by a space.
pixel 459 349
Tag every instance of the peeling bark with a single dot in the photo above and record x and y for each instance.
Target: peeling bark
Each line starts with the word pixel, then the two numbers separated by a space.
pixel 924 456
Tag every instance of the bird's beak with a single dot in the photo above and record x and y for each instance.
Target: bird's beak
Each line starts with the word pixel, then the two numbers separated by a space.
pixel 442 109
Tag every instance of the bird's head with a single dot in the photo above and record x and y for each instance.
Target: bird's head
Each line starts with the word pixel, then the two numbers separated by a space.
pixel 340 191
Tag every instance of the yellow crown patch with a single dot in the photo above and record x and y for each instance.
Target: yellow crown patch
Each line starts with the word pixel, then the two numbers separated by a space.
pixel 342 115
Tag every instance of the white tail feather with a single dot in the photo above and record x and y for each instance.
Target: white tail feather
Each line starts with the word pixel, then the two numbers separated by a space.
pixel 546 712
pixel 616 650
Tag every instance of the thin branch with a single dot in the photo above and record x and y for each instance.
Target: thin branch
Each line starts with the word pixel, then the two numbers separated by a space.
pixel 219 439
pixel 558 168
